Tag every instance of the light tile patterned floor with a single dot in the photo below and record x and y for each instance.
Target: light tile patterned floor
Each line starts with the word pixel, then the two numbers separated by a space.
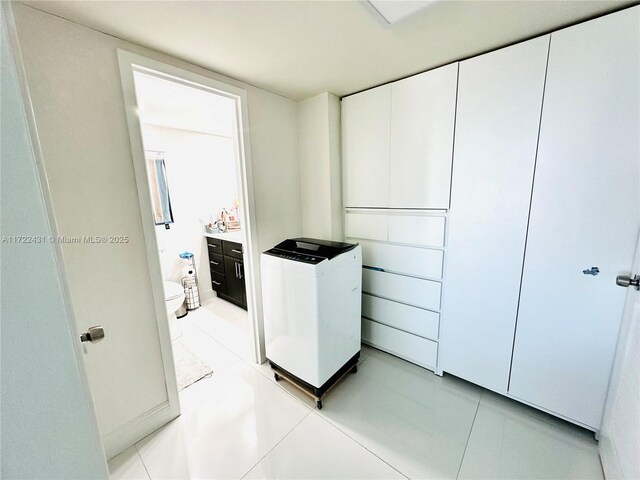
pixel 390 420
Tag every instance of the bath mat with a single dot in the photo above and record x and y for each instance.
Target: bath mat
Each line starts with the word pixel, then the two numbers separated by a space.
pixel 189 368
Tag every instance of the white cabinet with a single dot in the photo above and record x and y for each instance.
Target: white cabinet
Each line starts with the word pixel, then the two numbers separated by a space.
pixel 403 255
pixel 397 149
pixel 398 141
pixel 417 321
pixel 422 121
pixel 585 213
pixel 365 142
pixel 409 228
pixel 410 290
pixel 499 105
pixel 402 344
pixel 418 262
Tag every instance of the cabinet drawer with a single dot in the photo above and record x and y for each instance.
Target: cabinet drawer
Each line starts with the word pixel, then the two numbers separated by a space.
pixel 421 262
pixel 412 229
pixel 404 317
pixel 411 290
pixel 216 262
pixel 232 249
pixel 369 226
pixel 214 248
pixel 425 230
pixel 415 349
pixel 213 242
pixel 218 282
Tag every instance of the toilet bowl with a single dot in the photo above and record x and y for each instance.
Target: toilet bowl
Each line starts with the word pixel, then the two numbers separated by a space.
pixel 174 297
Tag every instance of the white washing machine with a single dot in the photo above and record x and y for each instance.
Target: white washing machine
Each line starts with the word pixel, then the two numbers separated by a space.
pixel 311 295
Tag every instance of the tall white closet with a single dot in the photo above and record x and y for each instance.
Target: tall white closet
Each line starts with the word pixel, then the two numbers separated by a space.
pixel 500 267
pixel 585 212
pixel 499 105
pixel 531 308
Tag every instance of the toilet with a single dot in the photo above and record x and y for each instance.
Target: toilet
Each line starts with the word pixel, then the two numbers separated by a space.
pixel 174 298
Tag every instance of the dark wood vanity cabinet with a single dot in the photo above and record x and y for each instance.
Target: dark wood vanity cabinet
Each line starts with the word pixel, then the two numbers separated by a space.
pixel 227 271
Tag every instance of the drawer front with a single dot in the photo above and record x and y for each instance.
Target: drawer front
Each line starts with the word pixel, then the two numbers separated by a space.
pixel 421 262
pixel 411 290
pixel 232 249
pixel 218 282
pixel 415 349
pixel 216 262
pixel 369 226
pixel 213 241
pixel 404 317
pixel 214 249
pixel 421 230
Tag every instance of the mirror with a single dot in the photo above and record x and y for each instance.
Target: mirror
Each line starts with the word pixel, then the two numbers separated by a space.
pixel 159 188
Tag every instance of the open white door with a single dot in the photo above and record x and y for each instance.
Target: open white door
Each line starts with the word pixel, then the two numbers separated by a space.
pixel 130 373
pixel 620 434
pixel 49 427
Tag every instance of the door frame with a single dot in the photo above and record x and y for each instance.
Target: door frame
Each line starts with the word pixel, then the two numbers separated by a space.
pixel 130 62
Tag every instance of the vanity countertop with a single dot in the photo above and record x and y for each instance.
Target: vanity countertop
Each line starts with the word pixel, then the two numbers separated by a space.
pixel 235 236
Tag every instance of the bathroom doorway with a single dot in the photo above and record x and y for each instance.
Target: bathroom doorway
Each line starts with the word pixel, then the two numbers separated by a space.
pixel 193 173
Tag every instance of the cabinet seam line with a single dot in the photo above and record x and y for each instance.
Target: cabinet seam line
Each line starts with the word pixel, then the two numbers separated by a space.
pixel 526 238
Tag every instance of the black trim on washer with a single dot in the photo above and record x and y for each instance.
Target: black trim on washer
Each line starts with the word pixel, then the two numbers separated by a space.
pixel 319 391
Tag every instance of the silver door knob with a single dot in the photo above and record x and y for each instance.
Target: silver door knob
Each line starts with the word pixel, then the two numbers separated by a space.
pixel 627 281
pixel 93 334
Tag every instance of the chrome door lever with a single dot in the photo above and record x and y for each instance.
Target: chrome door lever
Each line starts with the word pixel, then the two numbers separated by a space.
pixel 627 281
pixel 93 334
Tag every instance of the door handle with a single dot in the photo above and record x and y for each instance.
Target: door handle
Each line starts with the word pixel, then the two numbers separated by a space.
pixel 236 265
pixel 236 251
pixel 214 263
pixel 240 268
pixel 216 283
pixel 93 334
pixel 627 281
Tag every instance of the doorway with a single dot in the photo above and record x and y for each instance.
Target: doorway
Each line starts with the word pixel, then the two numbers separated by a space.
pixel 193 174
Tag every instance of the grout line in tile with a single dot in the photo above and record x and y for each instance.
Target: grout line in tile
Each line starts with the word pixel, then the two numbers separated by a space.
pixel 216 341
pixel 278 443
pixel 475 415
pixel 317 413
pixel 142 461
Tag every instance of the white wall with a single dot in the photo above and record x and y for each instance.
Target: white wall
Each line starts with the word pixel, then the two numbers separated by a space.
pixel 48 427
pixel 319 151
pixel 73 76
pixel 201 173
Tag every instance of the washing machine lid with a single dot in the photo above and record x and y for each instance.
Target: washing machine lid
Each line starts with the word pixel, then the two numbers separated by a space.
pixel 309 250
pixel 172 290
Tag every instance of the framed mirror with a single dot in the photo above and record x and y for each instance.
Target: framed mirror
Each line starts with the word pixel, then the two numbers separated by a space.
pixel 159 188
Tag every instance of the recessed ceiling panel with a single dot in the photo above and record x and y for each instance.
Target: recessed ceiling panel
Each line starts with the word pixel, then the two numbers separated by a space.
pixel 395 10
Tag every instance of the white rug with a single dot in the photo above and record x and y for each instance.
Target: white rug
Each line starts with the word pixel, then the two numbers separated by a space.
pixel 189 368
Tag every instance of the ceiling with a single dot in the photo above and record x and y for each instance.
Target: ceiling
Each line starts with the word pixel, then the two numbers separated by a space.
pixel 301 48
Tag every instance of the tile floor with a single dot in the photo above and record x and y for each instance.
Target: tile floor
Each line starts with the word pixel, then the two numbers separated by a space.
pixel 390 420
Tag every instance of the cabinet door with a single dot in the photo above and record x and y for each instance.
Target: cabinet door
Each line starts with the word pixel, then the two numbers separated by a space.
pixel 235 281
pixel 366 118
pixel 422 122
pixel 243 285
pixel 499 105
pixel 584 213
